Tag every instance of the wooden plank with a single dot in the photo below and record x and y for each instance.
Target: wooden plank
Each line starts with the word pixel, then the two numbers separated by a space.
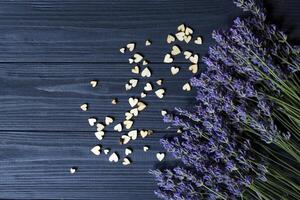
pixel 35 165
pixel 48 96
pixel 77 31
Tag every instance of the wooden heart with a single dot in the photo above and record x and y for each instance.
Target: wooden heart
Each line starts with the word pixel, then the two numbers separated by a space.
pixel 100 127
pixel 144 133
pixel 168 58
pixel 186 87
pixel 84 107
pixel 106 151
pixel 94 83
pixel 159 82
pixel 73 170
pixel 122 50
pixel 113 157
pixel 160 93
pixel 133 134
pixel 118 127
pixel 187 39
pixel 99 135
pixel 143 95
pixel 198 40
pixel 145 62
pixel 134 111
pixel 163 112
pixel 148 87
pixel 193 68
pixel 133 82
pixel 188 31
pixel 146 72
pixel 108 120
pixel 141 106
pixel 130 46
pixel 137 57
pixel 128 87
pixel 175 50
pixel 148 43
pixel 128 151
pixel 170 39
pixel 96 150
pixel 135 70
pixel 128 124
pixel 174 70
pixel 130 60
pixel 160 156
pixel 92 121
pixel 180 36
pixel 126 161
pixel 181 28
pixel 133 101
pixel 194 59
pixel 128 115
pixel 187 54
pixel 145 148
pixel 114 101
pixel 124 139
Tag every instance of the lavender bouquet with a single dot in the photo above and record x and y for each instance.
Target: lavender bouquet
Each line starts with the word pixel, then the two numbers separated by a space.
pixel 241 139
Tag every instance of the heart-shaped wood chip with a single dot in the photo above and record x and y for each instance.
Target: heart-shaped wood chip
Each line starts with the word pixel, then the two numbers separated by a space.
pixel 122 50
pixel 137 57
pixel 181 28
pixel 144 133
pixel 134 111
pixel 186 87
pixel 128 115
pixel 174 70
pixel 114 101
pixel 96 150
pixel 126 161
pixel 113 157
pixel 148 87
pixel 175 50
pixel 180 36
pixel 100 127
pixel 170 39
pixel 159 82
pixel 163 112
pixel 145 148
pixel 128 87
pixel 130 46
pixel 133 82
pixel 124 139
pixel 194 59
pixel 198 40
pixel 108 120
pixel 133 101
pixel 106 151
pixel 118 127
pixel 143 95
pixel 99 135
pixel 193 68
pixel 128 151
pixel 133 134
pixel 84 107
pixel 141 106
pixel 187 54
pixel 146 72
pixel 73 170
pixel 187 39
pixel 130 60
pixel 168 58
pixel 188 31
pixel 160 156
pixel 135 70
pixel 94 83
pixel 128 124
pixel 92 121
pixel 148 43
pixel 160 93
pixel 145 62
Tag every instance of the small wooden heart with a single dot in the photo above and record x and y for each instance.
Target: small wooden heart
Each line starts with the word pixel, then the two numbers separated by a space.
pixel 84 107
pixel 148 87
pixel 160 93
pixel 133 101
pixel 135 70
pixel 146 72
pixel 186 87
pixel 160 156
pixel 174 70
pixel 118 127
pixel 170 39
pixel 96 150
pixel 130 46
pixel 175 50
pixel 133 134
pixel 113 157
pixel 168 58
pixel 92 121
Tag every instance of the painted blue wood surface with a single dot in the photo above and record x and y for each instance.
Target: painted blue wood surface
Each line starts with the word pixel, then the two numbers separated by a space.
pixel 50 50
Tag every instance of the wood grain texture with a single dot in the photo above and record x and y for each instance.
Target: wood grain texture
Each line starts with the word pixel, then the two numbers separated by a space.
pixel 50 50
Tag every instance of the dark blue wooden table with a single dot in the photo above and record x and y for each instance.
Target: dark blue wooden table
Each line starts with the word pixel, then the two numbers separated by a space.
pixel 51 49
